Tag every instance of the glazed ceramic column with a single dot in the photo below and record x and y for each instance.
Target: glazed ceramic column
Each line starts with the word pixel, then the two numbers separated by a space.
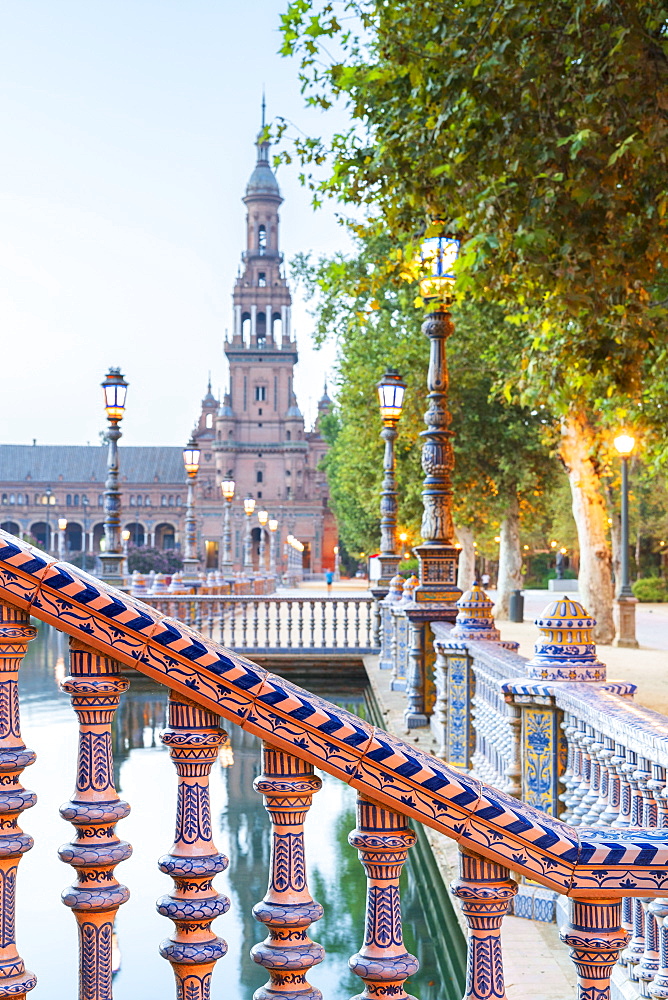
pixel 95 687
pixel 484 890
pixel 15 634
pixel 613 808
pixel 193 737
pixel 288 785
pixel 382 839
pixel 595 938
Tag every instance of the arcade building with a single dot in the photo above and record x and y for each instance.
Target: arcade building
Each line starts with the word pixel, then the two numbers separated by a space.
pixel 255 435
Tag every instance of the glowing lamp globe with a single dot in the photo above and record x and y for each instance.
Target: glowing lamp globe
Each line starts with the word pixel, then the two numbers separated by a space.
pixel 249 505
pixel 624 443
pixel 263 517
pixel 227 489
pixel 273 524
pixel 115 390
pixel 191 455
pixel 391 389
pixel 438 255
pixel 62 523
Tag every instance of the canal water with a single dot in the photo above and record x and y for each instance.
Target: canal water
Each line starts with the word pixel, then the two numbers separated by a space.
pixel 145 778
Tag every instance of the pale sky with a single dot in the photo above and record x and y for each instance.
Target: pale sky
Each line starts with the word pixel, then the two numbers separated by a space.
pixel 128 130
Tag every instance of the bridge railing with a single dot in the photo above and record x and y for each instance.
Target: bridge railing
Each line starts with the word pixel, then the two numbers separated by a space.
pixel 396 783
pixel 272 623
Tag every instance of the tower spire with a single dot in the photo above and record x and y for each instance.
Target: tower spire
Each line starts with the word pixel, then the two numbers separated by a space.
pixel 264 107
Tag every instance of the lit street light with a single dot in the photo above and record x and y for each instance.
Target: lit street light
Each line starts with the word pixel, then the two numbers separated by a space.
pixel 227 488
pixel 263 517
pixel 249 509
pixel 62 526
pixel 115 389
pixel 625 603
pixel 273 528
pixel 391 389
pixel 191 455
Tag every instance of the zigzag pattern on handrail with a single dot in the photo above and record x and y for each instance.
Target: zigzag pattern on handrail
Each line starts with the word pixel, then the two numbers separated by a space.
pixel 576 862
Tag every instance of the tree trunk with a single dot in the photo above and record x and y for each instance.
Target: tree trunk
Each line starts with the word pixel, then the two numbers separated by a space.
pixel 578 443
pixel 510 559
pixel 466 567
pixel 615 519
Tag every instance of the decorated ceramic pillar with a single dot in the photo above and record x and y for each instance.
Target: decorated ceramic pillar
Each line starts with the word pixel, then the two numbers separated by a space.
pixel 485 891
pixel 474 617
pixel 565 650
pixel 382 838
pixel 595 938
pixel 194 738
pixel 95 686
pixel 15 634
pixel 288 909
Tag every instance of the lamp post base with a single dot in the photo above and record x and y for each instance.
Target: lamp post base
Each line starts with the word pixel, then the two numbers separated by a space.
pixel 624 615
pixel 191 578
pixel 112 569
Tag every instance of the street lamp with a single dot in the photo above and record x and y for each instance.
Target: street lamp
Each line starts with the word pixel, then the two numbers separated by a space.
pixel 191 454
pixel 125 537
pixel 337 567
pixel 249 509
pixel 435 597
pixel 115 389
pixel 62 525
pixel 625 603
pixel 48 500
pixel 391 389
pixel 272 524
pixel 263 517
pixel 227 489
pixel 84 559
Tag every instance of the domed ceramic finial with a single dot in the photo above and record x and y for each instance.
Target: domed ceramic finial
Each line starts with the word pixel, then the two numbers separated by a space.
pixel 409 587
pixel 474 619
pixel 396 591
pixel 565 650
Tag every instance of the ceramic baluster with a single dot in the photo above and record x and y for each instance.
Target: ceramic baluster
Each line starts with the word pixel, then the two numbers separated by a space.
pixel 193 737
pixel 346 614
pixel 288 785
pixel 15 634
pixel 595 938
pixel 598 810
pixel 485 891
pixel 382 839
pixel 569 778
pixel 255 623
pixel 570 796
pixel 356 605
pixel 323 623
pixel 95 686
pixel 654 910
pixel 312 606
pixel 658 987
pixel 335 623
pixel 613 808
pixel 635 950
pixel 244 624
pixel 588 803
pixel 626 795
pixel 300 624
pixel 211 618
pixel 580 808
pixel 289 609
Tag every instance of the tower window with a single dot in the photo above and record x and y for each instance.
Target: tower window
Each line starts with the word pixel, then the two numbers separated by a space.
pixel 288 435
pixel 262 279
pixel 209 420
pixel 260 393
pixel 259 476
pixel 262 239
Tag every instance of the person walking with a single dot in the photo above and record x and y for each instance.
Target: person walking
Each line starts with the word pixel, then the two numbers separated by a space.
pixel 329 579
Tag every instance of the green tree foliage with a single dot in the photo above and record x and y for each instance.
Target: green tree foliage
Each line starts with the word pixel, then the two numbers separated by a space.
pixel 500 447
pixel 540 132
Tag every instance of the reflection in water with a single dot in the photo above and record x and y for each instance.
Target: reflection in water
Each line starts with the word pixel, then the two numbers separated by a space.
pixel 145 777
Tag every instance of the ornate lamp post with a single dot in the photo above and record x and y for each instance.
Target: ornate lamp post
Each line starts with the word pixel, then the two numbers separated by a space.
pixel 84 503
pixel 391 389
pixel 191 455
pixel 249 509
pixel 62 526
pixel 115 390
pixel 227 488
pixel 48 500
pixel 272 524
pixel 625 603
pixel 263 517
pixel 436 595
pixel 337 566
pixel 125 538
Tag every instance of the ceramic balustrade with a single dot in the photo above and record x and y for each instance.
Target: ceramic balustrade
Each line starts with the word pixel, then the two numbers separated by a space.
pixel 396 782
pixel 265 623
